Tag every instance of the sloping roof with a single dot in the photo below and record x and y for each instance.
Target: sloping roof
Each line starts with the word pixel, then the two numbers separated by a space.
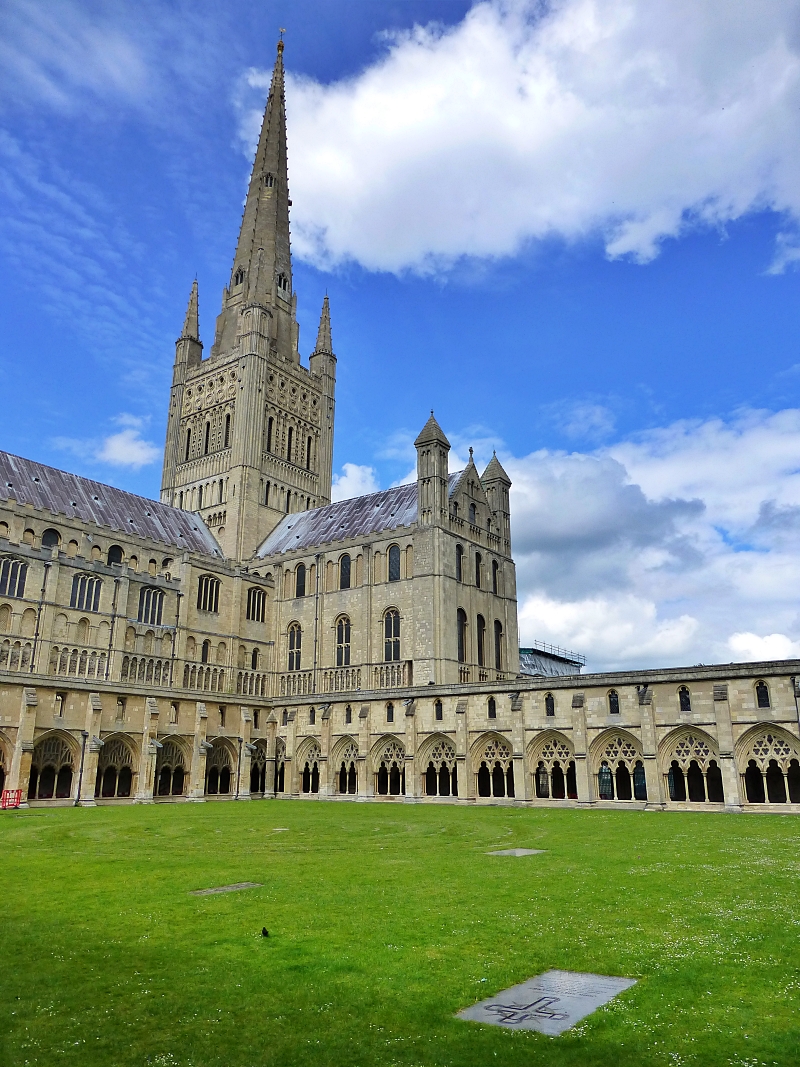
pixel 70 495
pixel 357 517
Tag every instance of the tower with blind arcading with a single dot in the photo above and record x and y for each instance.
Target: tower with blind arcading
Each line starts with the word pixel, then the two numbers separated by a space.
pixel 250 430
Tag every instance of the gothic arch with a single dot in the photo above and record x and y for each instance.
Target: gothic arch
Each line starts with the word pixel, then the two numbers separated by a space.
pixel 493 766
pixel 55 759
pixel 438 766
pixel 172 764
pixel 387 762
pixel 343 766
pixel 768 760
pixel 309 763
pixel 689 761
pixel 220 767
pixel 617 763
pixel 258 768
pixel 116 767
pixel 551 764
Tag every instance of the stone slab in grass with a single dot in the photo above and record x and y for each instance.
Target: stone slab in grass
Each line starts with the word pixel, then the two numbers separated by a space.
pixel 550 1003
pixel 518 852
pixel 225 888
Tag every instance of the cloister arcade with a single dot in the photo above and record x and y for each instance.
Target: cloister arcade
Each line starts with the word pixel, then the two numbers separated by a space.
pixel 171 762
pixel 115 768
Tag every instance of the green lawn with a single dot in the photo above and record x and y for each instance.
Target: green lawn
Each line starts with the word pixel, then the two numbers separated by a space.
pixel 385 919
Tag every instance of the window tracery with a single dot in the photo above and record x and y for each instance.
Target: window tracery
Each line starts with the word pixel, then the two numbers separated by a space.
pixel 495 774
pixel 52 767
pixel 114 769
pixel 771 768
pixel 218 770
pixel 390 776
pixel 441 774
pixel 620 774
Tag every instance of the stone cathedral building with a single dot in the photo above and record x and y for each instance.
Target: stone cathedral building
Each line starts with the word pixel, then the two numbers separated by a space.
pixel 245 638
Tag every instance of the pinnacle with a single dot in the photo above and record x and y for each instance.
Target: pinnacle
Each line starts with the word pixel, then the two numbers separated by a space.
pixel 191 325
pixel 324 343
pixel 494 471
pixel 431 433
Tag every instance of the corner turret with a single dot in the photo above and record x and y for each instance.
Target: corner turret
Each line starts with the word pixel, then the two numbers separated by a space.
pixel 433 450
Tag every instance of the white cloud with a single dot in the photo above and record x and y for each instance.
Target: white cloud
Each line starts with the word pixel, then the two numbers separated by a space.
pixel 627 119
pixel 355 480
pixel 749 647
pixel 126 448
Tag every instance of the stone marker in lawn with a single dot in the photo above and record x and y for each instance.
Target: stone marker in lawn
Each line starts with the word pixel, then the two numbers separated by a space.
pixel 517 852
pixel 225 888
pixel 550 1003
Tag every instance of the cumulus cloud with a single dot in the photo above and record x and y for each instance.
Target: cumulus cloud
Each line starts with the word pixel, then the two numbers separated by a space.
pixel 355 480
pixel 125 448
pixel 678 545
pixel 630 120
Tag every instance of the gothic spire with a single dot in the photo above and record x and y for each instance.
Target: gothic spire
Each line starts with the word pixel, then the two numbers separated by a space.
pixel 191 325
pixel 262 266
pixel 324 343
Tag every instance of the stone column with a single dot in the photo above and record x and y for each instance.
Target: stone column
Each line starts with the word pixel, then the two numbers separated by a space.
pixel 88 779
pixel 325 748
pixel 20 772
pixel 145 779
pixel 197 771
pixel 366 780
pixel 583 778
pixel 654 780
pixel 269 771
pixel 413 791
pixel 518 747
pixel 245 727
pixel 291 780
pixel 730 774
pixel 466 779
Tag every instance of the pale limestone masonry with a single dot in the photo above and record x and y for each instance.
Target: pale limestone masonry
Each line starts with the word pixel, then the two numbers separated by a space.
pixel 244 637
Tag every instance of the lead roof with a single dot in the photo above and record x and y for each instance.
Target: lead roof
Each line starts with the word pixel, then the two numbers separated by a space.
pixel 358 517
pixel 50 489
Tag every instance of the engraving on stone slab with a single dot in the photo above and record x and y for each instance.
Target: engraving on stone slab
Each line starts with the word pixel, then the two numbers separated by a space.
pixel 550 1003
pixel 517 852
pixel 225 888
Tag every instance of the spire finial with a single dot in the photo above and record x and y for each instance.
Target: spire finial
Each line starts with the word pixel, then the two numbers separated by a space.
pixel 324 340
pixel 280 41
pixel 470 453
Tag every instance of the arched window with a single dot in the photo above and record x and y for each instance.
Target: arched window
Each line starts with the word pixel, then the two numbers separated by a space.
pixel 199 497
pixel 684 699
pixel 238 276
pixel 459 563
pixel 208 593
pixel 762 695
pixel 256 601
pixel 437 710
pixel 266 494
pixel 308 453
pixel 391 635
pixel 295 645
pixel 549 704
pixel 390 712
pixel 205 654
pixel 394 563
pixel 498 645
pixel 343 642
pixel 312 716
pixel 473 514
pixel 207 439
pixel 270 425
pixel 348 715
pixel 481 630
pixel 288 501
pixel 289 440
pixel 151 605
pixel 12 577
pixel 344 572
pixel 495 569
pixel 254 660
pixel 227 432
pixel 300 580
pixel 462 635
pixel 188 444
pixel 85 592
pixel 613 702
pixel 51 538
pixel 492 708
pixel 478 564
pixel 283 286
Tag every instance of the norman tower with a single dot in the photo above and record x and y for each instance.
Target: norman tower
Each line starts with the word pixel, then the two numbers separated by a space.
pixel 250 430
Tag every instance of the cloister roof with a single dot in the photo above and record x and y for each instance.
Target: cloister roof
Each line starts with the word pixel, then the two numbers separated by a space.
pixel 70 495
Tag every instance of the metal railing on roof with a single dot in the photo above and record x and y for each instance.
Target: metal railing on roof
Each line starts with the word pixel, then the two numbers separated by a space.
pixel 556 650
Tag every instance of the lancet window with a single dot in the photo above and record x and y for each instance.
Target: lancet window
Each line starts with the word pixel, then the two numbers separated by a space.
pixel 343 641
pixel 151 605
pixel 85 592
pixel 12 577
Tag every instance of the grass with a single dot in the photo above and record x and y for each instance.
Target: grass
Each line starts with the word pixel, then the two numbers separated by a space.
pixel 385 920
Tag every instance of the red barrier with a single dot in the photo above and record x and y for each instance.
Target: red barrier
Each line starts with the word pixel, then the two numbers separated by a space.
pixel 10 798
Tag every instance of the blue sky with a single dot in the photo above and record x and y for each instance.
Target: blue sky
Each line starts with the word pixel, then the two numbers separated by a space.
pixel 569 228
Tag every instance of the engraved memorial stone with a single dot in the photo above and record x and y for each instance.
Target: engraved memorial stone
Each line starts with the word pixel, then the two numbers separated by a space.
pixel 550 1003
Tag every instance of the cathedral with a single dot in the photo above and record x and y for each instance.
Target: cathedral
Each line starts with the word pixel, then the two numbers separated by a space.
pixel 243 638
